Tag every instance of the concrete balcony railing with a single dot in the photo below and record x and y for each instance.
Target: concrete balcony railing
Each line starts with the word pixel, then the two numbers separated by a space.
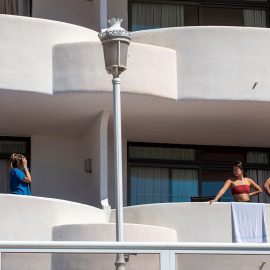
pixel 40 219
pixel 216 63
pixel 193 222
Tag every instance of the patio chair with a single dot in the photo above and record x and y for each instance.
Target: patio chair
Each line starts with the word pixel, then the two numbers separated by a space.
pixel 202 199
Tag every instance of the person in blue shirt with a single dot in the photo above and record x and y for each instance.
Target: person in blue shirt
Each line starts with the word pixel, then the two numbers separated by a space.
pixel 20 177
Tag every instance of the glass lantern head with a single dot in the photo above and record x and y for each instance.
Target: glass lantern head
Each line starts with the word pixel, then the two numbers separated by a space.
pixel 115 41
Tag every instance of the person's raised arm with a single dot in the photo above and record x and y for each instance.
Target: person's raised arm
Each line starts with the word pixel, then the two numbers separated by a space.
pixel 27 179
pixel 266 187
pixel 222 191
pixel 257 188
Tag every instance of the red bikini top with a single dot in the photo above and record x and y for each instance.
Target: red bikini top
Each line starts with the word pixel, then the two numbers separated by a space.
pixel 241 189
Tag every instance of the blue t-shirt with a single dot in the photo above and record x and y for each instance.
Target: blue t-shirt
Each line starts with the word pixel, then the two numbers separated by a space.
pixel 17 186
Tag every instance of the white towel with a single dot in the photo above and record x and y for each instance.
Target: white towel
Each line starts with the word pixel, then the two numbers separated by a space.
pixel 248 222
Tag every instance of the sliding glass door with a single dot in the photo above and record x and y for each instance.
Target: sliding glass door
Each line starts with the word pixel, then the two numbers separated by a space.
pixel 160 185
pixel 16 7
pixel 161 173
pixel 160 15
pixel 149 14
pixel 4 175
pixel 259 176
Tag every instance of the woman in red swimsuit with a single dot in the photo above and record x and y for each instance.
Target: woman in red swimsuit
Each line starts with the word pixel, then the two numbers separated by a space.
pixel 240 185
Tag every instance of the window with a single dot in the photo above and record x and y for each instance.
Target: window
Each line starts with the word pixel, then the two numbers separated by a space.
pixel 145 14
pixel 159 185
pixel 212 180
pixel 16 7
pixel 258 157
pixel 223 154
pixel 173 173
pixel 151 15
pixel 222 16
pixel 8 146
pixel 164 153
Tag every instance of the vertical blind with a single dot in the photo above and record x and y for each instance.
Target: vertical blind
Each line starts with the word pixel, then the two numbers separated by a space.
pixel 161 153
pixel 162 182
pixel 258 157
pixel 184 184
pixel 159 185
pixel 255 17
pixel 8 7
pixel 151 16
pixel 10 147
pixel 259 176
pixel 15 7
pixel 4 176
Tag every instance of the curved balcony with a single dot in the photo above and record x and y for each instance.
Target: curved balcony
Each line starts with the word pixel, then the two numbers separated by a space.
pixel 188 85
pixel 215 62
pixel 39 219
pixel 209 63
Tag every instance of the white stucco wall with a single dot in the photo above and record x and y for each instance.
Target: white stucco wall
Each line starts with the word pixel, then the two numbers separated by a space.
pixel 203 63
pixel 90 150
pixel 80 67
pixel 106 232
pixel 164 65
pixel 26 50
pixel 214 62
pixel 193 222
pixel 57 167
pixel 30 218
pixel 94 147
pixel 190 220
pixel 33 218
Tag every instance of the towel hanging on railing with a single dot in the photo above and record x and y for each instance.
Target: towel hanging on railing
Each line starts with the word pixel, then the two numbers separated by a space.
pixel 248 221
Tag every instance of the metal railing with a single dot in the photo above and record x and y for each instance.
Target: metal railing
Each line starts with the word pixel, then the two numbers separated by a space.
pixel 166 250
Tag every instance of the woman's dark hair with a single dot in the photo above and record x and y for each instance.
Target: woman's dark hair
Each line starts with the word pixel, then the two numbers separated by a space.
pixel 240 165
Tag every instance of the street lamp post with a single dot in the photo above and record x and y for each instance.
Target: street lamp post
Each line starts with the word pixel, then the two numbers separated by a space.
pixel 115 41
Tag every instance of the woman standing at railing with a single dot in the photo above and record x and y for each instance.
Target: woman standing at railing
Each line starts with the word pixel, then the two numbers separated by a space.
pixel 20 177
pixel 240 185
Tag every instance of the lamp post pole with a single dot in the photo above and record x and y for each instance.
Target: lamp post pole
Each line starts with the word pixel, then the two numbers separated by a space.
pixel 120 261
pixel 115 41
pixel 118 158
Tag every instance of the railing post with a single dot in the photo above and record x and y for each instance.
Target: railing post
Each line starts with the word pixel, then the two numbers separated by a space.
pixel 0 260
pixel 172 260
pixel 167 260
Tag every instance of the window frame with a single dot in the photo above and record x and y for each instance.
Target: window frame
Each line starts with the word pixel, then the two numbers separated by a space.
pixel 209 3
pixel 22 139
pixel 198 163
